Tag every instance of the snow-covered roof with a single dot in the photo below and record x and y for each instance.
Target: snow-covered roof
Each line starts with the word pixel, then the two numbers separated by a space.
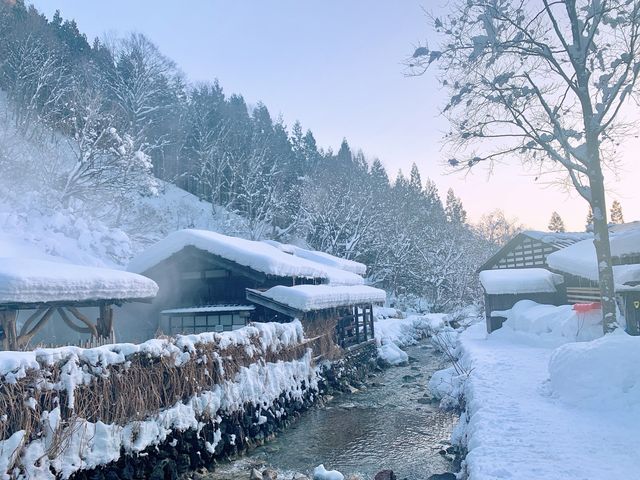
pixel 558 239
pixel 258 256
pixel 520 280
pixel 319 297
pixel 209 309
pixel 24 280
pixel 580 259
pixel 320 257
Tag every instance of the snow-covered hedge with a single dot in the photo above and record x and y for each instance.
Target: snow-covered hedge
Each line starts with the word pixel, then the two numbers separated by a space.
pixel 69 409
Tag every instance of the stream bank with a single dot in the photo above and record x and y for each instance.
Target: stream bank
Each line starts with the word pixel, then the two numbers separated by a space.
pixel 391 423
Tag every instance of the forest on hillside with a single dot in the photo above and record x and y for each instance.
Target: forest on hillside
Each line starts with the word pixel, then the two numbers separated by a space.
pixel 107 119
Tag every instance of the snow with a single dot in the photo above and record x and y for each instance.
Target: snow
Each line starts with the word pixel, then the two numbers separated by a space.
pixel 558 239
pixel 34 281
pixel 321 257
pixel 259 256
pixel 602 375
pixel 307 298
pixel 210 309
pixel 533 411
pixel 580 259
pixel 321 473
pixel 407 331
pixel 550 324
pixel 522 280
pixel 392 354
pixel 393 333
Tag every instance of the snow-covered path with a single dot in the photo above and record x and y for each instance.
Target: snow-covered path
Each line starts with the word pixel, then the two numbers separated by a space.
pixel 518 430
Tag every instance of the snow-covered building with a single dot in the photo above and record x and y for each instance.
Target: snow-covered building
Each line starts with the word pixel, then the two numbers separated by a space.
pixel 518 272
pixel 530 249
pixel 535 259
pixel 579 267
pixel 44 289
pixel 213 282
pixel 503 288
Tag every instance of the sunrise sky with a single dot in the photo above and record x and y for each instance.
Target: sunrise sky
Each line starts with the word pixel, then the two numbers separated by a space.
pixel 338 68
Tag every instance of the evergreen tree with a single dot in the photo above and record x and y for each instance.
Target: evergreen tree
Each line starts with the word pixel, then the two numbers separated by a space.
pixel 616 212
pixel 556 224
pixel 589 221
pixel 454 210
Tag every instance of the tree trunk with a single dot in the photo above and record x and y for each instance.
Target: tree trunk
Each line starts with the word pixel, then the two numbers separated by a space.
pixel 603 252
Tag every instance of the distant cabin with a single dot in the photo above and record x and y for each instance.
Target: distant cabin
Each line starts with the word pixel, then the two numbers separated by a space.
pixel 566 264
pixel 522 263
pixel 530 249
pixel 579 267
pixel 213 282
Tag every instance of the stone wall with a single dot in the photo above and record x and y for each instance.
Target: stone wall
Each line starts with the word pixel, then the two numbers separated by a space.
pixel 235 433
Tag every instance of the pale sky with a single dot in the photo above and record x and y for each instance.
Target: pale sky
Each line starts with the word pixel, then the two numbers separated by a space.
pixel 336 66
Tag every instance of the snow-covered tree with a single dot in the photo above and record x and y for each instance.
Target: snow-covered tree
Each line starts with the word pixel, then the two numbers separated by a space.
pixel 556 224
pixel 144 87
pixel 453 208
pixel 543 81
pixel 616 212
pixel 105 161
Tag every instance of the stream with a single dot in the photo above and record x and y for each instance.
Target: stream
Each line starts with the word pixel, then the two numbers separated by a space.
pixel 390 424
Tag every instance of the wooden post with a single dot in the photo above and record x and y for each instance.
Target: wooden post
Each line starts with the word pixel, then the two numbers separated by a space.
pixel 8 322
pixel 371 319
pixel 355 317
pixel 364 322
pixel 105 321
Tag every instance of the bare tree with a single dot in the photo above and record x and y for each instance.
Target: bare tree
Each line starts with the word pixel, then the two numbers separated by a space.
pixel 497 229
pixel 544 81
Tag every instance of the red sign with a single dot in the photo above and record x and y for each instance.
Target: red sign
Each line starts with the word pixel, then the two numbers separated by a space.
pixel 587 307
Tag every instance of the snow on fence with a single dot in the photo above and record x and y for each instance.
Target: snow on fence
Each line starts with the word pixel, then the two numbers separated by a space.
pixel 69 408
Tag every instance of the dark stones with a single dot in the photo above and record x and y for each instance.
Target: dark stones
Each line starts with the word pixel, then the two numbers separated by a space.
pixel 255 474
pixel 442 476
pixel 385 475
pixel 269 474
pixel 165 470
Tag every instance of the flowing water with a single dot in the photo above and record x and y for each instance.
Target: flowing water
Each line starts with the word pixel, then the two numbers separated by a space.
pixel 390 424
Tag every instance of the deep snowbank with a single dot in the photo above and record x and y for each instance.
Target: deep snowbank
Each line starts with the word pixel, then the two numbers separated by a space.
pixel 603 374
pixel 393 333
pixel 533 410
pixel 550 324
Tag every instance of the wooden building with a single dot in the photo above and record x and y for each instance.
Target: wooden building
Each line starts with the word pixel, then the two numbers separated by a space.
pixel 213 282
pixel 503 288
pixel 530 249
pixel 42 290
pixel 345 313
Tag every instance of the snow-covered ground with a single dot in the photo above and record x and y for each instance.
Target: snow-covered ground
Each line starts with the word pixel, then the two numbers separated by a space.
pixel 540 404
pixel 392 333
